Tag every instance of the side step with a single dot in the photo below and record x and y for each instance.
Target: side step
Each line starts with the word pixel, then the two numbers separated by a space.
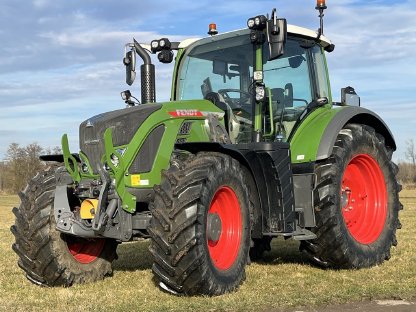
pixel 299 235
pixel 303 234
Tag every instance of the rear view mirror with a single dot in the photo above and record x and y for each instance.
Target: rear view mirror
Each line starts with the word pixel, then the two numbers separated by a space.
pixel 276 35
pixel 130 63
pixel 349 97
pixel 296 61
pixel 220 67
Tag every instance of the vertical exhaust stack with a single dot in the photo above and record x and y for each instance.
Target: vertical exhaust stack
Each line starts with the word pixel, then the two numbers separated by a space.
pixel 147 73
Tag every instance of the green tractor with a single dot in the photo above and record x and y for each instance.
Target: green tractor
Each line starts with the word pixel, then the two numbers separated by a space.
pixel 250 147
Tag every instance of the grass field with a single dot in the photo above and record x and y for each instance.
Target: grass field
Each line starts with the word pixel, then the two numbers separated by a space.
pixel 284 281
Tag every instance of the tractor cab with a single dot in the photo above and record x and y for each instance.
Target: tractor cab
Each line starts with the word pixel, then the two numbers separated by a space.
pixel 222 69
pixel 265 78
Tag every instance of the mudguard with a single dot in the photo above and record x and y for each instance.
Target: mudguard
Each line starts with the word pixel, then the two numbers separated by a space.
pixel 316 135
pixel 269 164
pixel 352 115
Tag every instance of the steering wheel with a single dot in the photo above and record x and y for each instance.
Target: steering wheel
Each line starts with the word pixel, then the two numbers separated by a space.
pixel 245 96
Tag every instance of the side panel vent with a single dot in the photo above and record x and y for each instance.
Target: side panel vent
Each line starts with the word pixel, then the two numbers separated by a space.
pixel 146 156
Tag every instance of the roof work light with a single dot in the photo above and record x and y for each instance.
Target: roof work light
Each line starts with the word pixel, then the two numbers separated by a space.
pixel 257 23
pixel 159 45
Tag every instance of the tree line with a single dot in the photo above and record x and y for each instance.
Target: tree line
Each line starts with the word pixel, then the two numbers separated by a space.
pixel 22 163
pixel 407 170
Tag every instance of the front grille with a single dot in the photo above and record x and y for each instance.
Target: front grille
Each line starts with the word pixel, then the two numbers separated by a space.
pixel 124 122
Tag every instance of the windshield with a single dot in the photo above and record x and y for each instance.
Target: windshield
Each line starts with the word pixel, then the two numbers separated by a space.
pixel 222 71
pixel 216 66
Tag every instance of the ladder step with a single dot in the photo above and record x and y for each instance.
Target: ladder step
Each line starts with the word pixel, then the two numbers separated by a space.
pixel 304 237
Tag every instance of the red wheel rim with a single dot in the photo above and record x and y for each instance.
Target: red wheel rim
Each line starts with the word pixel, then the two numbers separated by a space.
pixel 364 199
pixel 85 251
pixel 224 251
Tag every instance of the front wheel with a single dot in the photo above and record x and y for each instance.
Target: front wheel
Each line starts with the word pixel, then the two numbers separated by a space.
pixel 200 228
pixel 356 202
pixel 47 256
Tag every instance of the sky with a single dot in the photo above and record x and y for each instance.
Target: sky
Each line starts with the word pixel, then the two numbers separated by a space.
pixel 61 61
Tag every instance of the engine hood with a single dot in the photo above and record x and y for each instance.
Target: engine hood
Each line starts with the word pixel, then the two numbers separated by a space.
pixel 124 123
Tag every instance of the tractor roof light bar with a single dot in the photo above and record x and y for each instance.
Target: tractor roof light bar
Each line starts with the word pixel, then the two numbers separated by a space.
pixel 165 47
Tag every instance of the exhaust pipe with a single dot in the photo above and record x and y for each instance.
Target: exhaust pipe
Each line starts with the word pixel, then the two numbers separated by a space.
pixel 147 73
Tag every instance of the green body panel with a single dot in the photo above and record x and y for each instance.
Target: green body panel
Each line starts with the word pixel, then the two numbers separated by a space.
pixel 86 161
pixel 270 134
pixel 179 55
pixel 307 137
pixel 171 116
pixel 128 200
pixel 304 142
pixel 69 160
pixel 258 117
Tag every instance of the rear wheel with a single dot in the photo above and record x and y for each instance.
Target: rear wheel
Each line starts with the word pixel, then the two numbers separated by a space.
pixel 200 228
pixel 47 256
pixel 356 202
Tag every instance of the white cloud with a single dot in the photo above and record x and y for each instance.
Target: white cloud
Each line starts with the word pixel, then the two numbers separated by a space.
pixel 40 4
pixel 54 74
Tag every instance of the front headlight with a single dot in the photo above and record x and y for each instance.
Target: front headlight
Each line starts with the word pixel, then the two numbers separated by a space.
pixel 260 93
pixel 114 160
pixel 250 23
pixel 84 168
pixel 154 45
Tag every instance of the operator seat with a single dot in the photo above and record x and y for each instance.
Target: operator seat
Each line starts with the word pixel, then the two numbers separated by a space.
pixel 283 98
pixel 231 122
pixel 216 99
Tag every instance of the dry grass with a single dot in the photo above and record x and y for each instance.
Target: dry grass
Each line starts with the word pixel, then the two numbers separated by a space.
pixel 285 280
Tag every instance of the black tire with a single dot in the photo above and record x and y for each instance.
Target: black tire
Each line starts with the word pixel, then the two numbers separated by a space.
pixel 179 241
pixel 343 240
pixel 43 251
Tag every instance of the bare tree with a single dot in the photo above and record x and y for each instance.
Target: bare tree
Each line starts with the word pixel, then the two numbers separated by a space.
pixel 411 152
pixel 22 163
pixel 3 169
pixel 411 156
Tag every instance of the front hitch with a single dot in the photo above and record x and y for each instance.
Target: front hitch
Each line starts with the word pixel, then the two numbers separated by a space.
pixel 104 212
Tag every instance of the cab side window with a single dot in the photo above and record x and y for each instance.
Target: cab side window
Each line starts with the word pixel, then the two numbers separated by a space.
pixel 321 72
pixel 289 80
pixel 288 77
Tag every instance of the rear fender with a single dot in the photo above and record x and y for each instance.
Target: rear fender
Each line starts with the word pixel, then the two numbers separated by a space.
pixel 352 115
pixel 315 137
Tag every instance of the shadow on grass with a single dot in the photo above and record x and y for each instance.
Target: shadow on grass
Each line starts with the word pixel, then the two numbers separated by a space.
pixel 284 252
pixel 136 256
pixel 133 256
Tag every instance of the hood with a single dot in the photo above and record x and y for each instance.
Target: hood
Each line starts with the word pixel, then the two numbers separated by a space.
pixel 124 123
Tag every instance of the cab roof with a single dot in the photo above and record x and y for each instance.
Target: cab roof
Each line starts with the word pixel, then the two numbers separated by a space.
pixel 291 29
